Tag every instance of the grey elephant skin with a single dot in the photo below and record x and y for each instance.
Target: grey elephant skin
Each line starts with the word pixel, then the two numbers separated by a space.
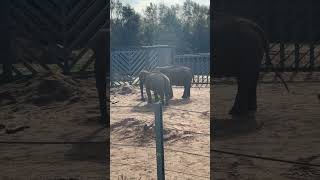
pixel 158 83
pixel 238 48
pixel 179 76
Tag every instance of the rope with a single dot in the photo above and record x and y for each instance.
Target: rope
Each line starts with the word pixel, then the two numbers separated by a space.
pixel 232 153
pixel 53 142
pixel 173 150
pixel 265 158
pixel 200 112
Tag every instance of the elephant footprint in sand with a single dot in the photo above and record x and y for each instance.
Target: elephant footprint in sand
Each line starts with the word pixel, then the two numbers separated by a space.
pixel 158 83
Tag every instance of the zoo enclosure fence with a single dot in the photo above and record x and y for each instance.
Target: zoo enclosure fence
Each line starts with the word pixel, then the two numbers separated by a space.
pixel 168 149
pixel 211 150
pixel 126 64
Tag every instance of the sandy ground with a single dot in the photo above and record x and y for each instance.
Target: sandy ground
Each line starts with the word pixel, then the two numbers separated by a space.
pixel 51 108
pixel 133 136
pixel 58 108
pixel 288 128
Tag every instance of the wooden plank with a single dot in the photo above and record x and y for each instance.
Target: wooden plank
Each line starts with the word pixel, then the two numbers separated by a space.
pixel 79 56
pixel 88 63
pixel 29 67
pixel 15 70
pixel 71 16
pixel 91 29
pixel 86 17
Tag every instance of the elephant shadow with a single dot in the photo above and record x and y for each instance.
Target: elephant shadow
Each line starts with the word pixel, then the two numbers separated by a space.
pixel 228 127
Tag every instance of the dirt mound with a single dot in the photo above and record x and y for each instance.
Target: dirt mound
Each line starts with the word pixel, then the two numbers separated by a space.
pixel 47 89
pixel 126 89
pixel 140 132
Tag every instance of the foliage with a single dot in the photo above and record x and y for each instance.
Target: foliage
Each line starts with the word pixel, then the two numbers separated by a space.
pixel 186 27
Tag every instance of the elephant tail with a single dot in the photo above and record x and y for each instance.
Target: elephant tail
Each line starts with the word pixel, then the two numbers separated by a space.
pixel 268 63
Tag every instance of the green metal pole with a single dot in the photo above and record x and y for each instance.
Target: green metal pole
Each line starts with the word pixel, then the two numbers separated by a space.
pixel 159 141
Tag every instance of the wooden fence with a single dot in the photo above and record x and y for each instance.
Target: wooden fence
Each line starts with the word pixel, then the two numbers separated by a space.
pixel 293 57
pixel 200 65
pixel 126 64
pixel 52 35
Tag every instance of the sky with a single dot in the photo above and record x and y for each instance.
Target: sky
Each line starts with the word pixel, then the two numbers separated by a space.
pixel 139 5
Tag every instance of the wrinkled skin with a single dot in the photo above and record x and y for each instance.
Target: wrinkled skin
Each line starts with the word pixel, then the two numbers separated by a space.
pixel 158 83
pixel 179 76
pixel 238 49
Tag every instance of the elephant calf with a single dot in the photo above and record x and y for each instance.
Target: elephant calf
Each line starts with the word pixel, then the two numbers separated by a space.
pixel 179 76
pixel 158 83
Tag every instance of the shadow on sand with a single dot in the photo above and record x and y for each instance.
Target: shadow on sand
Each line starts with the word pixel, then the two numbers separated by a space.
pixel 234 127
pixel 90 152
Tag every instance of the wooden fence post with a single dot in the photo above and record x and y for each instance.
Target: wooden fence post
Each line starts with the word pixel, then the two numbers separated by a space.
pixel 159 141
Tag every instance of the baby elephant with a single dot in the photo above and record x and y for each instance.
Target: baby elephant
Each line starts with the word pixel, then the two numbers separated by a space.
pixel 158 83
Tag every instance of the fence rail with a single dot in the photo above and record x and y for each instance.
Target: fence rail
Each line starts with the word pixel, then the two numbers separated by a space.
pixel 52 35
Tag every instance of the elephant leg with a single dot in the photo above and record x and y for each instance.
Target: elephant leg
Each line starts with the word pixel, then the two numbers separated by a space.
pixel 185 91
pixel 170 92
pixel 149 95
pixel 240 106
pixel 189 88
pixel 252 102
pixel 162 99
pixel 141 91
pixel 156 97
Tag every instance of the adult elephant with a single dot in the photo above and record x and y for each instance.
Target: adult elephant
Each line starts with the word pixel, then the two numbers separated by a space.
pixel 158 83
pixel 179 76
pixel 238 48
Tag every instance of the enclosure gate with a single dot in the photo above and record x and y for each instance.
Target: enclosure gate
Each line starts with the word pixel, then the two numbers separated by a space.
pixel 45 33
pixel 126 64
pixel 200 65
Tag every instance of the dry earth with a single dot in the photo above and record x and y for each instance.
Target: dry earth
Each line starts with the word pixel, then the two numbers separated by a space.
pixel 132 134
pixel 288 128
pixel 58 108
pixel 51 108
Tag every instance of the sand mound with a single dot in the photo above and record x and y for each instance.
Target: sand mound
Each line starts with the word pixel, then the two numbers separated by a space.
pixel 126 89
pixel 140 132
pixel 47 89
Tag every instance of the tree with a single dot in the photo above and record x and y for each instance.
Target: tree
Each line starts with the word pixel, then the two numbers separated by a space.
pixel 150 24
pixel 186 27
pixel 125 26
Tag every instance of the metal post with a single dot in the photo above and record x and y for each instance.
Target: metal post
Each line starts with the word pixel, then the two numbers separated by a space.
pixel 159 141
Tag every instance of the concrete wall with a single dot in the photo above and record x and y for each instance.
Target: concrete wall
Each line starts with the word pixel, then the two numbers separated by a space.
pixel 166 54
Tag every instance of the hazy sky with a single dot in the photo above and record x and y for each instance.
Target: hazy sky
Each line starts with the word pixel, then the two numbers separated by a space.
pixel 139 5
